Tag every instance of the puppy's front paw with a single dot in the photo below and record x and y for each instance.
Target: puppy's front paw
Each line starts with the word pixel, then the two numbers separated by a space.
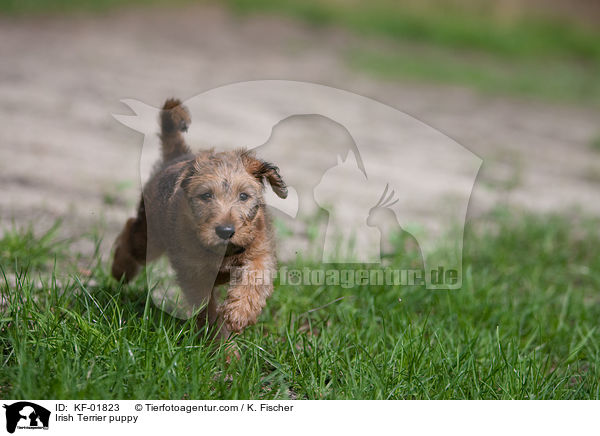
pixel 237 315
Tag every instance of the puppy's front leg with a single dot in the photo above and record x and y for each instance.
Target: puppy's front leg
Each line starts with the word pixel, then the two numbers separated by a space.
pixel 248 293
pixel 210 316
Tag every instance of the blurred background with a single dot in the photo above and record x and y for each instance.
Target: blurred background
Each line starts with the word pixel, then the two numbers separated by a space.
pixel 516 82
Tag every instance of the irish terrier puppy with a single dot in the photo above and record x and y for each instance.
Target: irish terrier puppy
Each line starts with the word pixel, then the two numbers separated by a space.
pixel 207 212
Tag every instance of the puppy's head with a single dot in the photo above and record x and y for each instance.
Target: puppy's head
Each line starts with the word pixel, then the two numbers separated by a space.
pixel 225 192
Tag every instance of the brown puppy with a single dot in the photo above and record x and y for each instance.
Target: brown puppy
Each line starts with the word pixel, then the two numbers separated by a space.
pixel 206 211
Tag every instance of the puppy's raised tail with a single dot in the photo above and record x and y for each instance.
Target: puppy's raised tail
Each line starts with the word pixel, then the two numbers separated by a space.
pixel 174 120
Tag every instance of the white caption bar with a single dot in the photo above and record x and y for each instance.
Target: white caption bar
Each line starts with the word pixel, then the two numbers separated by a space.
pixel 114 418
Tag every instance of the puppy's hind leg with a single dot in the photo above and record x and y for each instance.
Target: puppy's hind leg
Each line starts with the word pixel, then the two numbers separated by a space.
pixel 131 247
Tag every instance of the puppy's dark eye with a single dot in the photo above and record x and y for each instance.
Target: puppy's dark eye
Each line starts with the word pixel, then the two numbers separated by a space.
pixel 206 196
pixel 244 196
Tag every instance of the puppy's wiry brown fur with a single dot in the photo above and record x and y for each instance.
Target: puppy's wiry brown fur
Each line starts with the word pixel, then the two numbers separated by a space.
pixel 206 211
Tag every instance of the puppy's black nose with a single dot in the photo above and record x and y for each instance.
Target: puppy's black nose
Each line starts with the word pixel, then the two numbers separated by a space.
pixel 225 232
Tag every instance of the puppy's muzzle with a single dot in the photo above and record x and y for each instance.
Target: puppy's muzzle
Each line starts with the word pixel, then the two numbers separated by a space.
pixel 225 232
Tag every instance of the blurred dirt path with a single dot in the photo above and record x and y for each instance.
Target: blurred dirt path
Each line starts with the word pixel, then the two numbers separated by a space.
pixel 63 155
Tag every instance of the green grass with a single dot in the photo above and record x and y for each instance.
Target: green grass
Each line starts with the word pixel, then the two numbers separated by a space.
pixel 456 24
pixel 462 43
pixel 550 80
pixel 37 7
pixel 525 325
pixel 595 143
pixel 452 24
pixel 20 247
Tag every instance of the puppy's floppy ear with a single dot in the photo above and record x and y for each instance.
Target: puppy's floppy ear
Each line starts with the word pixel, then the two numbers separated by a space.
pixel 184 178
pixel 262 170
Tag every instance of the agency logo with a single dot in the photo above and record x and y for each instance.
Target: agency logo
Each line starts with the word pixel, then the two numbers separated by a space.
pixel 26 415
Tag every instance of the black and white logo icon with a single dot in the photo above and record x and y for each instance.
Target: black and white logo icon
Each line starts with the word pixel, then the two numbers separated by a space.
pixel 26 415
